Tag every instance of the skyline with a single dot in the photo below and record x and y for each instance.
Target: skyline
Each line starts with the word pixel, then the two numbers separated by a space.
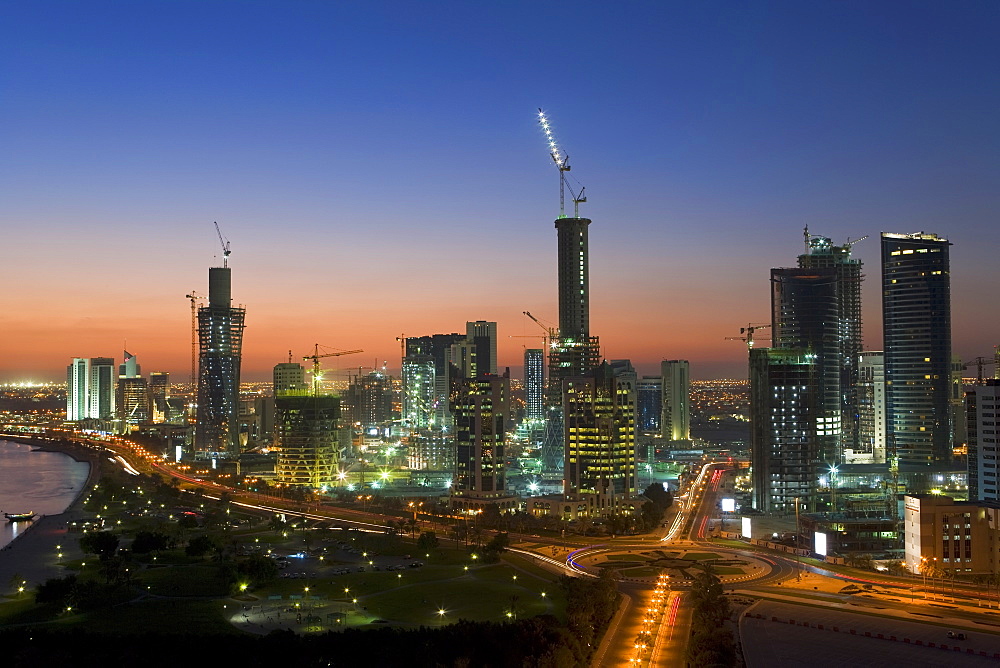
pixel 345 152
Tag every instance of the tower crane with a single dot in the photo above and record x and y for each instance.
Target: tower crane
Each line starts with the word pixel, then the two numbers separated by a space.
pixel 225 246
pixel 561 160
pixel 747 332
pixel 194 297
pixel 402 346
pixel 317 356
pixel 551 332
pixel 980 362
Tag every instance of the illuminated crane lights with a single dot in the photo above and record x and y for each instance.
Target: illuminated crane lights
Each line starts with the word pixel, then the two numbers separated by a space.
pixel 561 160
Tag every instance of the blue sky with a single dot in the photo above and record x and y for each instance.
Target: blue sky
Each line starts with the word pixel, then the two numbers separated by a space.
pixel 379 170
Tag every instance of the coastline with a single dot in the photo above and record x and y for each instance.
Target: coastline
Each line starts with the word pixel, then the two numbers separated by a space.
pixel 32 555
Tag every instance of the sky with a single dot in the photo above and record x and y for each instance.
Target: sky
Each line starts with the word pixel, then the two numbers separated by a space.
pixel 379 170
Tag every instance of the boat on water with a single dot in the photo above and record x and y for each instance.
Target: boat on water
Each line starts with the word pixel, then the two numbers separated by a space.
pixel 20 517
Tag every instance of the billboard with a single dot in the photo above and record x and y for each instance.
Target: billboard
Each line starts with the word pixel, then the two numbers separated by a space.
pixel 819 541
pixel 729 505
pixel 746 528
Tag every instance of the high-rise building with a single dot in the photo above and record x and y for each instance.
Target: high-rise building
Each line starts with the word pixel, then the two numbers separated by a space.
pixel 371 400
pixel 306 428
pixel 805 310
pixel 419 395
pixel 573 352
pixel 983 407
pixel 675 418
pixel 159 394
pixel 220 337
pixel 483 335
pixel 870 447
pixel 783 429
pixel 133 400
pixel 916 321
pixel 289 377
pixel 649 404
pixel 534 384
pixel 821 253
pixel 436 349
pixel 599 418
pixel 481 410
pixel 90 389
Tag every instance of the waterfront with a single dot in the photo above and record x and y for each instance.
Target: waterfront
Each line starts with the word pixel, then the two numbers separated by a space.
pixel 31 480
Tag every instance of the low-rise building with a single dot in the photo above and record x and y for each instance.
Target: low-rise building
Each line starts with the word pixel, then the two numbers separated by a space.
pixel 953 536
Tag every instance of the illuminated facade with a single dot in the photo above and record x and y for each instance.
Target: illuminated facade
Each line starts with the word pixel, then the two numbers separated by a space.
pixel 599 417
pixel 159 394
pixel 220 338
pixel 870 447
pixel 481 409
pixel 483 335
pixel 916 316
pixel 306 427
pixel 783 429
pixel 90 389
pixel 419 397
pixel 534 384
pixel 675 419
pixel 983 406
pixel 133 399
pixel 944 536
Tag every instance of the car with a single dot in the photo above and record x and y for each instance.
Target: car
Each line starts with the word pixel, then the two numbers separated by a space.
pixel 956 635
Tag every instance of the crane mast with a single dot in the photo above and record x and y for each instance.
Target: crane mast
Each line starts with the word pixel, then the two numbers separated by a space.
pixel 561 160
pixel 225 246
pixel 316 357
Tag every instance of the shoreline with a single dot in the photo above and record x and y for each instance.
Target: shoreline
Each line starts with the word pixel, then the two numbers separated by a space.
pixel 32 555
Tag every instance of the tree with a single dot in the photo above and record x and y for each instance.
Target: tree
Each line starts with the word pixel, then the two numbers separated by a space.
pixel 102 543
pixel 55 590
pixel 150 541
pixel 660 497
pixel 258 569
pixel 199 546
pixel 428 540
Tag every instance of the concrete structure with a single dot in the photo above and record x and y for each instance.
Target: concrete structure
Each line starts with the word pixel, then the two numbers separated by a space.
pixel 289 377
pixel 870 446
pixel 945 535
pixel 220 337
pixel 306 429
pixel 419 395
pixel 371 401
pixel 916 315
pixel 132 399
pixel 675 418
pixel 90 389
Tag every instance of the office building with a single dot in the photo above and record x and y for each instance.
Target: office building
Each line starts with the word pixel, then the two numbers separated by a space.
pixel 481 409
pixel 220 338
pixel 371 401
pixel 289 377
pixel 983 408
pixel 916 316
pixel 649 404
pixel 599 432
pixel 133 399
pixel 534 384
pixel 159 396
pixel 805 308
pixel 675 417
pixel 870 447
pixel 483 335
pixel 90 389
pixel 821 253
pixel 948 537
pixel 783 429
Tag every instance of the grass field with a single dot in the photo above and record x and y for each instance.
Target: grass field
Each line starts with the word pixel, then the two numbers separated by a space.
pixel 699 556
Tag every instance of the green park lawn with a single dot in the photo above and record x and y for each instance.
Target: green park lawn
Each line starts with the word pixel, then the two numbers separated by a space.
pixel 699 556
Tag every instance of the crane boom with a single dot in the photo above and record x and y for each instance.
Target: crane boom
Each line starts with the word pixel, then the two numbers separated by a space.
pixel 225 246
pixel 317 356
pixel 561 160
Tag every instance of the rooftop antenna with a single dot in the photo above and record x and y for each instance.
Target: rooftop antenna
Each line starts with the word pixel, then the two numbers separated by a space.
pixel 225 246
pixel 805 231
pixel 561 160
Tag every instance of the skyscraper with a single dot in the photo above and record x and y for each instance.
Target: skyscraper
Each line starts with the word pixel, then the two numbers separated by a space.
pixel 675 419
pixel 90 389
pixel 481 410
pixel 306 428
pixel 534 383
pixel 220 337
pixel 916 317
pixel 483 335
pixel 821 253
pixel 133 392
pixel 783 429
pixel 599 415
pixel 159 393
pixel 649 404
pixel 982 405
pixel 871 444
